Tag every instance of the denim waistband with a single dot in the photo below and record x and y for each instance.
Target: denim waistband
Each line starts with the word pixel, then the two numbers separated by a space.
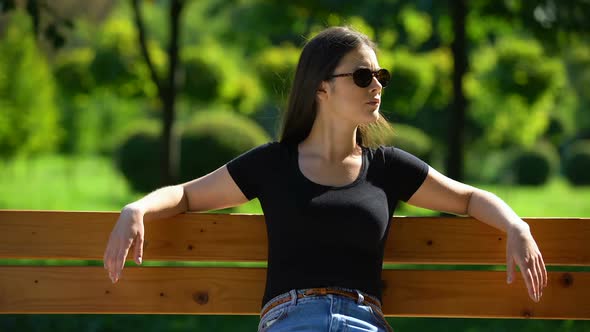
pixel 302 290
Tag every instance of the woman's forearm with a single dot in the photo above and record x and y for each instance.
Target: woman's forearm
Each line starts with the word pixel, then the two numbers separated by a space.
pixel 493 211
pixel 162 203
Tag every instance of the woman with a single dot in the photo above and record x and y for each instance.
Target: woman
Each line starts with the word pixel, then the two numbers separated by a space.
pixel 328 193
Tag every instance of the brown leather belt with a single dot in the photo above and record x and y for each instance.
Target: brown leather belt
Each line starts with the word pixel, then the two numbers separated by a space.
pixel 321 291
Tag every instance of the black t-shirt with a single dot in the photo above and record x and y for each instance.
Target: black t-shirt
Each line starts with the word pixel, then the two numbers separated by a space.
pixel 321 236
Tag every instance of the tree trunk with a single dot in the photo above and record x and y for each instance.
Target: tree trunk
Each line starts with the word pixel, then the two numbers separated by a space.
pixel 167 90
pixel 169 141
pixel 458 108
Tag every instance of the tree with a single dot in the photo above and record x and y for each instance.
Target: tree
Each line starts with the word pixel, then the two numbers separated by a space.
pixel 51 29
pixel 167 86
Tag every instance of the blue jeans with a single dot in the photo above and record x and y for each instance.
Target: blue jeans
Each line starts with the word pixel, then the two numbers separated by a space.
pixel 324 313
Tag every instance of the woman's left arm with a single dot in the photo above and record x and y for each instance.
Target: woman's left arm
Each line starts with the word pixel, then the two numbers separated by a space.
pixel 441 193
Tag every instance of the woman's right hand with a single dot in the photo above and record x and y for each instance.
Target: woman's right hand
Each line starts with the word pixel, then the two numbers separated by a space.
pixel 128 231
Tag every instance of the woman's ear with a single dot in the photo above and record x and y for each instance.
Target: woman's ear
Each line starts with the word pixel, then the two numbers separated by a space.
pixel 322 91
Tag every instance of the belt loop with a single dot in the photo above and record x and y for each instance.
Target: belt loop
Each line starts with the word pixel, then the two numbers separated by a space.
pixel 293 293
pixel 360 298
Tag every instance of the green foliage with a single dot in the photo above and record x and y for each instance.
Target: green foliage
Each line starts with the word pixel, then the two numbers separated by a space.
pixel 29 118
pixel 201 79
pixel 215 74
pixel 578 68
pixel 412 81
pixel 211 139
pixel 71 71
pixel 577 163
pixel 118 63
pixel 535 166
pixel 490 166
pixel 138 157
pixel 417 24
pixel 97 123
pixel 514 89
pixel 276 67
pixel 411 139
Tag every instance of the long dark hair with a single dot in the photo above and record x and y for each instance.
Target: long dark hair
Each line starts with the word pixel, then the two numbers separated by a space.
pixel 318 60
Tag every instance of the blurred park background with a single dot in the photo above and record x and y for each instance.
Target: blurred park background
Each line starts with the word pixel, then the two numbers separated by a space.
pixel 102 101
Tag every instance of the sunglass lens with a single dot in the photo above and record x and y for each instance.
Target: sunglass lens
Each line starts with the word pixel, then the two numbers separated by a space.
pixel 362 77
pixel 383 77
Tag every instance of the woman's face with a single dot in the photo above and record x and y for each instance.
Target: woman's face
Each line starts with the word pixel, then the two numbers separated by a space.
pixel 346 100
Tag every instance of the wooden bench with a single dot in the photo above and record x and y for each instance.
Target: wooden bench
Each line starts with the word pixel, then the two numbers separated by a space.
pixel 416 288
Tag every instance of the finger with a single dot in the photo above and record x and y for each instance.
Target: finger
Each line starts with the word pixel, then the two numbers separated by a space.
pixel 120 262
pixel 107 254
pixel 509 268
pixel 536 271
pixel 544 270
pixel 527 274
pixel 540 278
pixel 112 260
pixel 104 258
pixel 139 248
pixel 108 260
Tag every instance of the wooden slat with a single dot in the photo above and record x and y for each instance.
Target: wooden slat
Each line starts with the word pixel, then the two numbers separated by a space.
pixel 481 294
pixel 224 237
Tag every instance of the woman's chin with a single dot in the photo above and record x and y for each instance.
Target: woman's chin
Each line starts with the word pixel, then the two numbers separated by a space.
pixel 372 117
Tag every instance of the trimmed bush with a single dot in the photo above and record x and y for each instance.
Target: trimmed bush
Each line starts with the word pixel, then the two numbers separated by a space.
pixel 412 140
pixel 577 163
pixel 138 158
pixel 202 79
pixel 535 166
pixel 211 139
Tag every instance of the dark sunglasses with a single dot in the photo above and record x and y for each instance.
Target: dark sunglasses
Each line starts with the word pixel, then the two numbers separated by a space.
pixel 364 76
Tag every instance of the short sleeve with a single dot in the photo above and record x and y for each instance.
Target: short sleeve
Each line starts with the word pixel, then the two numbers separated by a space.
pixel 248 169
pixel 406 172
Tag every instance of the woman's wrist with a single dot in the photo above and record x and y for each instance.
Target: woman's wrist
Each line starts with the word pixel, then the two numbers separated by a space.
pixel 134 208
pixel 519 226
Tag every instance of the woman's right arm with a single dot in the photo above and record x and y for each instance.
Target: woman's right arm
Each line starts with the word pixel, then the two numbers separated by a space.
pixel 213 191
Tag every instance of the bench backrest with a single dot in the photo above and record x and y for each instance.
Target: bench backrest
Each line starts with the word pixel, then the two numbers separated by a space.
pixel 421 277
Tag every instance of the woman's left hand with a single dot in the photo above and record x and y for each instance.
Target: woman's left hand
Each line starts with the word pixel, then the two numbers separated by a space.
pixel 522 249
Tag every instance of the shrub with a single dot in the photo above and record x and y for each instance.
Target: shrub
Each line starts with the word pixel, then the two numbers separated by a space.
pixel 535 166
pixel 211 139
pixel 71 71
pixel 202 79
pixel 138 158
pixel 29 117
pixel 412 140
pixel 577 163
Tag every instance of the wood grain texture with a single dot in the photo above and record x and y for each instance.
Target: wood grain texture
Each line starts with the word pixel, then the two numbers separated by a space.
pixel 181 290
pixel 224 237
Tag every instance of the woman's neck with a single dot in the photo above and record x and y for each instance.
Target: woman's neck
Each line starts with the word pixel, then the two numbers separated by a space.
pixel 330 140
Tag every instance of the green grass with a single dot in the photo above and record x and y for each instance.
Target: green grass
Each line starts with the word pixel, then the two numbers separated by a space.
pixel 555 199
pixel 63 183
pixel 87 183
pixel 94 184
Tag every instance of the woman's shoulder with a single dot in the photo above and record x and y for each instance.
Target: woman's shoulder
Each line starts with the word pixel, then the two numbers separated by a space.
pixel 390 153
pixel 268 150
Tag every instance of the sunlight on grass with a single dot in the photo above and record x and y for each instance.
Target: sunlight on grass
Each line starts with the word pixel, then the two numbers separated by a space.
pixel 555 199
pixel 93 184
pixel 63 183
